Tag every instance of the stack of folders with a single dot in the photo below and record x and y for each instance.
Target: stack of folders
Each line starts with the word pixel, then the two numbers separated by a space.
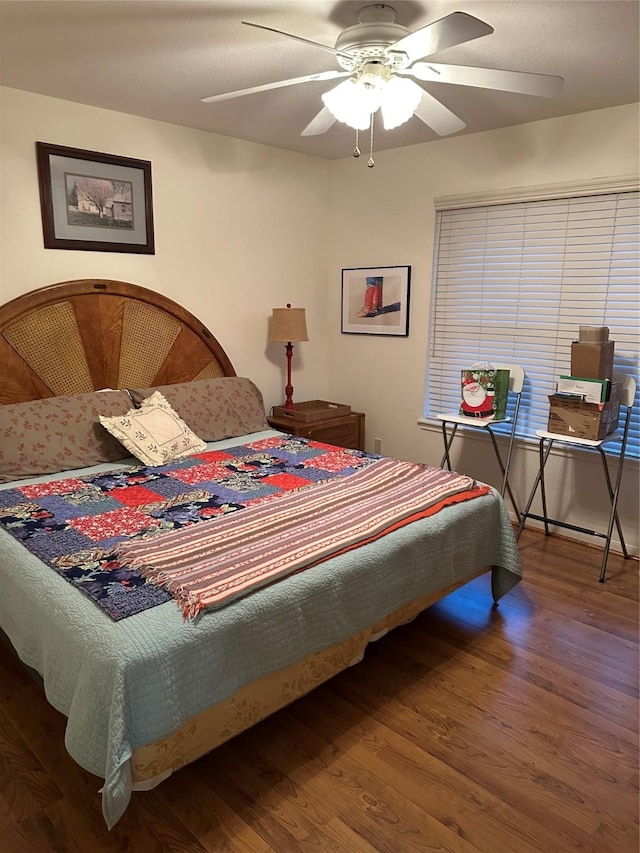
pixel 588 390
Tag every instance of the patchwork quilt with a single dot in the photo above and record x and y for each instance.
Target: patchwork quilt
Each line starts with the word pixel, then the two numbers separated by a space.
pixel 102 532
pixel 73 525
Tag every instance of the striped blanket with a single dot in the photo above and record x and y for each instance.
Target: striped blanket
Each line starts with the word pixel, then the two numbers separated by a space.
pixel 210 564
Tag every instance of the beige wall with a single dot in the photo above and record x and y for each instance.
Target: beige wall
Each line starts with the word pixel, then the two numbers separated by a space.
pixel 385 216
pixel 241 228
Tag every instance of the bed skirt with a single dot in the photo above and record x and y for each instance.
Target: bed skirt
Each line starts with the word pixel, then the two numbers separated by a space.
pixel 152 764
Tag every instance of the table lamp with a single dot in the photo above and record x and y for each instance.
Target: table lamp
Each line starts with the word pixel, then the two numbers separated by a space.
pixel 288 325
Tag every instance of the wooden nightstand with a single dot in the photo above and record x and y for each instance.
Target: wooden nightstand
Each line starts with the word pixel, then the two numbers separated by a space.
pixel 344 431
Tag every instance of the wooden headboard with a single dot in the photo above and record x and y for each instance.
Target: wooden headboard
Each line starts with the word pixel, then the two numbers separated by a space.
pixel 80 336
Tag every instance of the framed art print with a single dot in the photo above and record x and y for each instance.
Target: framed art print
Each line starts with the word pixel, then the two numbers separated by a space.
pixel 94 202
pixel 375 301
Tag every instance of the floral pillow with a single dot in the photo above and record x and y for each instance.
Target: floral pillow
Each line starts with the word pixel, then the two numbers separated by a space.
pixel 218 408
pixel 154 433
pixel 58 434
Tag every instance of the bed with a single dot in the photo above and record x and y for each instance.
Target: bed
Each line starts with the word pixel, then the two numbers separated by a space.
pixel 151 690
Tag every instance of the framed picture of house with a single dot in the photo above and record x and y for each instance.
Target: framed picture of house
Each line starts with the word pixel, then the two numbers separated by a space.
pixel 94 202
pixel 375 301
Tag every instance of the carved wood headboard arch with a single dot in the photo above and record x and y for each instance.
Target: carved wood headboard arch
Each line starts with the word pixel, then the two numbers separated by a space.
pixel 78 336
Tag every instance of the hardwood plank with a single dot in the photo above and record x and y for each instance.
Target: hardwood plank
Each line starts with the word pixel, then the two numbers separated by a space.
pixel 324 794
pixel 434 785
pixel 478 738
pixel 207 816
pixel 559 640
pixel 275 801
pixel 25 786
pixel 35 833
pixel 561 697
pixel 165 827
pixel 364 801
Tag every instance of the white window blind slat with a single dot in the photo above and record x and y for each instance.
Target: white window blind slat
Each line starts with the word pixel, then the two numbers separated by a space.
pixel 514 281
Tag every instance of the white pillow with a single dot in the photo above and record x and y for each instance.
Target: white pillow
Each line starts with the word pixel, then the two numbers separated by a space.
pixel 154 433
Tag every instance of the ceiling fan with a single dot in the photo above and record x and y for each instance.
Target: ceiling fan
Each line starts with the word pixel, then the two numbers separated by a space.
pixel 381 60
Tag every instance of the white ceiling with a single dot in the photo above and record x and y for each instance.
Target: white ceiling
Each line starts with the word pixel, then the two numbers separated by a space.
pixel 157 59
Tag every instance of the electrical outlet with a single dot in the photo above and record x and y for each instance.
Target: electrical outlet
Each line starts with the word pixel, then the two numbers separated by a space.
pixel 377 445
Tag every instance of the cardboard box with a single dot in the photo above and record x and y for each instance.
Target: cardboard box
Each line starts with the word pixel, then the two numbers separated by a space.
pixel 592 360
pixel 578 419
pixel 593 334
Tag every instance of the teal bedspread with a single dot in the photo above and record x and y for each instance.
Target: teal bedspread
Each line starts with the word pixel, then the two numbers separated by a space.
pixel 127 684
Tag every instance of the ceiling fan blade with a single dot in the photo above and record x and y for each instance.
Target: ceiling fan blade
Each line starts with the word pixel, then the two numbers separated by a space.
pixel 323 75
pixel 522 82
pixel 448 31
pixel 437 116
pixel 299 38
pixel 323 122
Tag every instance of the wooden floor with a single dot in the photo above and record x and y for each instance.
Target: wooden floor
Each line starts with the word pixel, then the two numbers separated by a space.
pixel 503 730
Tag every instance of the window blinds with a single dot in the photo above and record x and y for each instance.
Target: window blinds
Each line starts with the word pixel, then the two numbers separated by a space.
pixel 513 282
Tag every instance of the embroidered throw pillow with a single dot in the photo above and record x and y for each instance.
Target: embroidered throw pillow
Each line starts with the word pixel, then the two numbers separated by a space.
pixel 154 433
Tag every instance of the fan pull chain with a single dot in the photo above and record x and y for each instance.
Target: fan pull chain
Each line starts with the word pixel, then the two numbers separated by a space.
pixel 356 150
pixel 371 162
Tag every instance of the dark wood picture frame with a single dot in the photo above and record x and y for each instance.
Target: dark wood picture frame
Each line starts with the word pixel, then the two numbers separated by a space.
pixel 80 212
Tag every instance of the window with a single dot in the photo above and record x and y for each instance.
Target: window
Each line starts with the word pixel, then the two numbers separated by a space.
pixel 514 281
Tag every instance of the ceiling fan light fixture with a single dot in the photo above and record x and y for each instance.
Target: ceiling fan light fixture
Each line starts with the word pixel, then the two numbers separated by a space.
pixel 377 56
pixel 400 100
pixel 352 103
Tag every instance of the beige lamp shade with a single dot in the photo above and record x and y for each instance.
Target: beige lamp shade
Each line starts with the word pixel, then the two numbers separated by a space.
pixel 288 325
